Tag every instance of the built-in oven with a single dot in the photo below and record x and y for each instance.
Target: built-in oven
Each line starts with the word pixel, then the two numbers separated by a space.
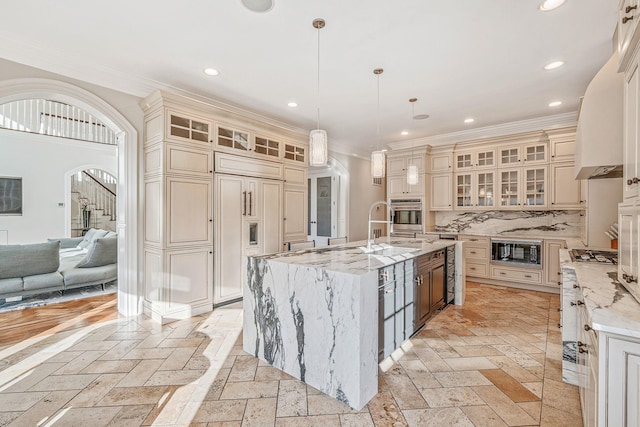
pixel 407 215
pixel 521 252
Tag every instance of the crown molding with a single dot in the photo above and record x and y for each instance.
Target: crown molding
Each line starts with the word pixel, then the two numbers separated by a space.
pixel 510 128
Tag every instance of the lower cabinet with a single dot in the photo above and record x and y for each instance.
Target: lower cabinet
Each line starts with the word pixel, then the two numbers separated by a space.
pixel 395 306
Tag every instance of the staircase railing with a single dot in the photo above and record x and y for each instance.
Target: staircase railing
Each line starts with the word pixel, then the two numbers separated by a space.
pixel 97 195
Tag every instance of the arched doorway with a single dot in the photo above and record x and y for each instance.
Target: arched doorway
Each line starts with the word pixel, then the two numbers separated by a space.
pixel 129 289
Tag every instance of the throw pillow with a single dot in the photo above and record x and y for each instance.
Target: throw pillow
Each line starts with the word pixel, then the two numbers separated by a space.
pixel 90 237
pixel 103 251
pixel 29 260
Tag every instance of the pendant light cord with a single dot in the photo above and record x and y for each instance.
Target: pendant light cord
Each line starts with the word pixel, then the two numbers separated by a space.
pixel 318 111
pixel 378 118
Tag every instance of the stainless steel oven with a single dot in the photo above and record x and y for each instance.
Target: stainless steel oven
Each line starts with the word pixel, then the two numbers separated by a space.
pixel 407 215
pixel 521 252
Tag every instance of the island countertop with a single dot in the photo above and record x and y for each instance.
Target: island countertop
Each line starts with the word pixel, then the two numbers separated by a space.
pixel 351 257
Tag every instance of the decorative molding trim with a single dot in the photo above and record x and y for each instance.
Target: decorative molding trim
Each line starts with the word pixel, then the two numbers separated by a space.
pixel 510 128
pixel 129 280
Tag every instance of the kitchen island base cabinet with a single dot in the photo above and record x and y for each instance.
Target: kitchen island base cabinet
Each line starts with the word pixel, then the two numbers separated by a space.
pixel 316 325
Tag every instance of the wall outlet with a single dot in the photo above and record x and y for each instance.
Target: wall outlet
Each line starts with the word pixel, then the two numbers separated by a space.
pixel 61 204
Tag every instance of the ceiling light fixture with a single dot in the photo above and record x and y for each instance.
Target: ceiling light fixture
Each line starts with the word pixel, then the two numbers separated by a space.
pixel 420 117
pixel 404 133
pixel 378 160
pixel 318 146
pixel 554 65
pixel 469 120
pixel 412 170
pixel 548 5
pixel 211 72
pixel 259 5
pixel 555 103
pixel 292 104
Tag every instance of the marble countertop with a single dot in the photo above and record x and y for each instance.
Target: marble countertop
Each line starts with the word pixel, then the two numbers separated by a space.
pixel 350 257
pixel 609 306
pixel 505 235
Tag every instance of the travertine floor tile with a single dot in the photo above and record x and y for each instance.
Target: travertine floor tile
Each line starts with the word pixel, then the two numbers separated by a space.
pixel 483 416
pixel 64 382
pixel 88 416
pixel 510 412
pixel 260 413
pixel 461 378
pixel 292 399
pixel 244 369
pixel 95 391
pixel 249 389
pixel 132 415
pixel 321 404
pixel 552 417
pixel 10 402
pixel 384 411
pixel 470 363
pixel 310 421
pixel 356 420
pixel 400 385
pixel 436 417
pixel 451 396
pixel 220 410
pixel 561 396
pixel 133 396
pixel 509 386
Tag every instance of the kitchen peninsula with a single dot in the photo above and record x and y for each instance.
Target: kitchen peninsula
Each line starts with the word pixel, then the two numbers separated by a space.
pixel 314 313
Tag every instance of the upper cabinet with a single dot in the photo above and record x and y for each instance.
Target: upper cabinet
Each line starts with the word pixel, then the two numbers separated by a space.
pixel 441 161
pixel 475 190
pixel 182 127
pixel 482 158
pixel 399 165
pixel 628 16
pixel 521 155
pixel 523 188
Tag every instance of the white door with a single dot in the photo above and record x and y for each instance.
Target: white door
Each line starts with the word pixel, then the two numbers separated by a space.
pixel 322 209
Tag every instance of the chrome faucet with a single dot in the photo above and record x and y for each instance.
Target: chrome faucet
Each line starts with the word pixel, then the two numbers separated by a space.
pixel 370 221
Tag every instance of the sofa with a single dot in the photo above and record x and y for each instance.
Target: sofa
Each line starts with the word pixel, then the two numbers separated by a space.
pixel 58 264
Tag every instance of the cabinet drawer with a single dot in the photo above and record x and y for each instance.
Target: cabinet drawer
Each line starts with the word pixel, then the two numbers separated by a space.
pixel 474 241
pixel 476 269
pixel 476 252
pixel 528 276
pixel 189 161
pixel 245 166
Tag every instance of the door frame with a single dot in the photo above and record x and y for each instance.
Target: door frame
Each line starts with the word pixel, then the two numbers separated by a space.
pixel 129 216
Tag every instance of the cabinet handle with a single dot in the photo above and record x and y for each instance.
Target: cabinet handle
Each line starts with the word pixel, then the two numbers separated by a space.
pixel 630 8
pixel 582 350
pixel 472 252
pixel 635 180
pixel 244 204
pixel 559 273
pixel 559 283
pixel 575 286
pixel 528 276
pixel 250 203
pixel 587 327
pixel 472 268
pixel 580 302
pixel 580 344
pixel 573 303
pixel 502 273
pixel 388 291
pixel 626 19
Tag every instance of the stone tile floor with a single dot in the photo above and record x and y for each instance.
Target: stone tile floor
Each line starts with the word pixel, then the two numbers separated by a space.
pixel 495 361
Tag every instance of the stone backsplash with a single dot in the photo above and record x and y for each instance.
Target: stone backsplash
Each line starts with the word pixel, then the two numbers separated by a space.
pixel 557 223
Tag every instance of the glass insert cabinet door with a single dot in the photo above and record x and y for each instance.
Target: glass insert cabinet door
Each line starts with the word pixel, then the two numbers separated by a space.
pixel 534 184
pixel 509 188
pixel 464 161
pixel 535 153
pixel 509 156
pixel 485 189
pixel 486 158
pixel 463 190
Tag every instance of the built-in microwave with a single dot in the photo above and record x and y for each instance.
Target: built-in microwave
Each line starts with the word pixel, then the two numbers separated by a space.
pixel 407 215
pixel 521 252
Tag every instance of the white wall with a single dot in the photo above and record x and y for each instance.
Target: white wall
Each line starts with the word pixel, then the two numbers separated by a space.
pixel 42 162
pixel 362 193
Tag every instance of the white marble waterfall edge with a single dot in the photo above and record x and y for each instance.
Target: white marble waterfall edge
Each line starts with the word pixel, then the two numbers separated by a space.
pixel 316 325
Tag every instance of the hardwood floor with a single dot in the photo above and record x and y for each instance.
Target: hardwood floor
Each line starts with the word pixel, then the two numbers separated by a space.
pixel 16 326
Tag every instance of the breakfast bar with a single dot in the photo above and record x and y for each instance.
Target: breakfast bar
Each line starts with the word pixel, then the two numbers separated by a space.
pixel 314 313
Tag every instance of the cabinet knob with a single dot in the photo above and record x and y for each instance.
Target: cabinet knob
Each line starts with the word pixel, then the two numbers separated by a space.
pixel 630 8
pixel 626 19
pixel 210 220
pixel 284 219
pixel 553 157
pixel 573 303
pixel 580 344
pixel 575 286
pixel 635 180
pixel 587 328
pixel 580 302
pixel 582 350
pixel 210 252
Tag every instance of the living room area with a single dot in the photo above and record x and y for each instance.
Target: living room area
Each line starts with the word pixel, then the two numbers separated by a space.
pixel 58 235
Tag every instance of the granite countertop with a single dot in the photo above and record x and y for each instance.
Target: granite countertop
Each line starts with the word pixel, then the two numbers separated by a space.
pixel 350 258
pixel 610 307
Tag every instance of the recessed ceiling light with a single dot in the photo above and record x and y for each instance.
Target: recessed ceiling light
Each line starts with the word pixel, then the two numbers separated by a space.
pixel 555 103
pixel 420 116
pixel 211 71
pixel 292 104
pixel 548 5
pixel 469 120
pixel 404 132
pixel 384 150
pixel 554 65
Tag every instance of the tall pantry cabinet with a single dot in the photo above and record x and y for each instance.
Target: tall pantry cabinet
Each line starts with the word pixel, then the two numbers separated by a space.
pixel 214 192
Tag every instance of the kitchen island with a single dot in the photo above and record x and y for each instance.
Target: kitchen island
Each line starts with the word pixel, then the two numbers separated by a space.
pixel 314 313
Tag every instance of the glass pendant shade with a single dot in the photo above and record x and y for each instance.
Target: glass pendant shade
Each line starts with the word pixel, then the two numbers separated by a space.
pixel 318 148
pixel 412 175
pixel 378 164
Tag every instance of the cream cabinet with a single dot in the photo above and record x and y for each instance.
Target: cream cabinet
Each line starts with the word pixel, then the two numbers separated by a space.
pixel 399 165
pixel 631 120
pixel 628 215
pixel 295 153
pixel 475 190
pixel 477 252
pixel 623 380
pixel 248 222
pixel 440 195
pixel 552 269
pixel 188 161
pixel 479 158
pixel 397 186
pixel 188 128
pixel 295 205
pixel 189 219
pixel 522 188
pixel 628 16
pixel 441 161
pixel 520 155
pixel 562 144
pixel 566 191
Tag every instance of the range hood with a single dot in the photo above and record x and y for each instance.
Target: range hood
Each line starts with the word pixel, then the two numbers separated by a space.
pixel 599 137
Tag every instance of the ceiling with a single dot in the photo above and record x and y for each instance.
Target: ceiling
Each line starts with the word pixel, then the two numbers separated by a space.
pixel 464 58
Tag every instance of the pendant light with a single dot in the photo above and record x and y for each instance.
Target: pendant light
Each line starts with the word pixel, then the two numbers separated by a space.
pixel 318 147
pixel 378 160
pixel 412 170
